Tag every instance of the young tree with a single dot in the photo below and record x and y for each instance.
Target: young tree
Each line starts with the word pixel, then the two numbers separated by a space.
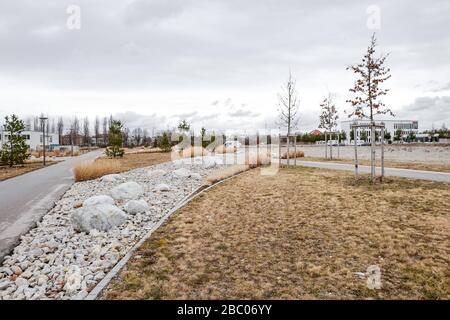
pixel 60 129
pixel 164 143
pixel 86 132
pixel 288 106
pixel 398 135
pixel 328 119
pixel 371 73
pixel 183 126
pixel 115 139
pixel 15 150
pixel 96 129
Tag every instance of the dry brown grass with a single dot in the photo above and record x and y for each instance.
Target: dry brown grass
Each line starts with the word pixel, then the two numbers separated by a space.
pixel 142 150
pixel 226 173
pixel 390 164
pixel 128 162
pixel 193 152
pixel 223 149
pixel 6 172
pixel 94 169
pixel 56 153
pixel 293 154
pixel 298 235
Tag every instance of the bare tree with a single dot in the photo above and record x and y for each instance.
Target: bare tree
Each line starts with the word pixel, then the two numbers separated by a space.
pixel 137 134
pixel 328 119
pixel 105 130
pixel 75 131
pixel 36 124
pixel 60 128
pixel 86 131
pixel 371 73
pixel 288 105
pixel 96 129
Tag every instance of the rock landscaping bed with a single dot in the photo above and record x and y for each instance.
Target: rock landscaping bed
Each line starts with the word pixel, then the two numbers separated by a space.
pixel 95 224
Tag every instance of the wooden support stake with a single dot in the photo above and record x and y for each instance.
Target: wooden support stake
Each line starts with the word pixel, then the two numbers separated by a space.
pixel 295 150
pixel 356 153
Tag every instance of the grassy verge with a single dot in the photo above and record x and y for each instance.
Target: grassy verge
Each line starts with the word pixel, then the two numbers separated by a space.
pixel 102 166
pixel 300 234
pixel 7 172
pixel 390 164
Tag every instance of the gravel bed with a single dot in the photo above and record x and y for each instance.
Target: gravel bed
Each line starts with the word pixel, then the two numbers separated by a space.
pixel 55 261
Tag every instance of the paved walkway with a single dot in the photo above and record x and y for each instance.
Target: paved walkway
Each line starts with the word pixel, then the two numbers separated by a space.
pixel 404 173
pixel 26 198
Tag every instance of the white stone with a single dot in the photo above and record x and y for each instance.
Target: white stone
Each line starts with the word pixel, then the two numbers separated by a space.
pixel 4 284
pixel 95 200
pixel 136 206
pixel 111 178
pixel 196 176
pixel 127 191
pixel 21 282
pixel 73 279
pixel 162 187
pixel 157 172
pixel 182 173
pixel 100 217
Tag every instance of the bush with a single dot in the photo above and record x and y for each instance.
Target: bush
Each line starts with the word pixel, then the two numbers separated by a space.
pixel 192 152
pixel 115 139
pixel 293 154
pixel 93 170
pixel 223 149
pixel 15 150
pixel 164 143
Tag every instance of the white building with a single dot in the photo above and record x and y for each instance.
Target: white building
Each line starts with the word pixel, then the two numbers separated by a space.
pixel 33 139
pixel 391 126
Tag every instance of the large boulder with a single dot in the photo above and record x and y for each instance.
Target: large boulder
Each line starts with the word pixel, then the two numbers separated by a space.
pixel 95 200
pixel 111 178
pixel 211 162
pixel 182 173
pixel 136 206
pixel 127 191
pixel 101 217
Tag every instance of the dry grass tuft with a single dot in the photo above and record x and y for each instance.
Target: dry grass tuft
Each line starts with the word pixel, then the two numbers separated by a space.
pixel 255 160
pixel 293 154
pixel 223 149
pixel 192 152
pixel 226 173
pixel 93 170
pixel 55 153
pixel 142 150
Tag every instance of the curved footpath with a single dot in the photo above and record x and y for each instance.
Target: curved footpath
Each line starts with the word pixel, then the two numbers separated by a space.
pixel 394 172
pixel 26 198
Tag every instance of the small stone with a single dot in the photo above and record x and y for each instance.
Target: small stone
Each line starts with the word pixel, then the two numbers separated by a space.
pixel 111 178
pixel 127 191
pixel 4 284
pixel 162 187
pixel 17 270
pixel 182 173
pixel 21 282
pixel 95 200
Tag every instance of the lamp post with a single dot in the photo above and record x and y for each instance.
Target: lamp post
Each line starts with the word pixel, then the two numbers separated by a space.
pixel 43 119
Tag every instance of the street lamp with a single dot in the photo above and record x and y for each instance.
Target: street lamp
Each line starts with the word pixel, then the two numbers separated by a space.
pixel 43 119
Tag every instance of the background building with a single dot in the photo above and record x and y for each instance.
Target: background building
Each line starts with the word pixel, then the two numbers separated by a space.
pixel 33 139
pixel 406 127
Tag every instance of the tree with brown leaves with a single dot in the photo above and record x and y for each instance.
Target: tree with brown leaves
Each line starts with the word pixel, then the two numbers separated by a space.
pixel 367 90
pixel 371 74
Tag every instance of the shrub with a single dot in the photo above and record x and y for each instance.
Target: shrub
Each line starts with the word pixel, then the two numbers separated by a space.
pixel 164 143
pixel 115 139
pixel 223 149
pixel 293 154
pixel 93 170
pixel 15 150
pixel 255 160
pixel 192 152
pixel 226 173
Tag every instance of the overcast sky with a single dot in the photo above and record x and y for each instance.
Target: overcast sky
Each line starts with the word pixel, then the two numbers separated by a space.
pixel 217 63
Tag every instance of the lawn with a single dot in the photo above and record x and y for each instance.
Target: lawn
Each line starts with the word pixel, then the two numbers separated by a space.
pixel 7 172
pixel 389 164
pixel 301 234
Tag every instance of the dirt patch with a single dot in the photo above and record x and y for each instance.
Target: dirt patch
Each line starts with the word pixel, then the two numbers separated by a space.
pixel 300 234
pixel 7 172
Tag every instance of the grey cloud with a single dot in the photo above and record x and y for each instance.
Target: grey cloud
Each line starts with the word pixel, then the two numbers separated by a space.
pixel 243 113
pixel 428 111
